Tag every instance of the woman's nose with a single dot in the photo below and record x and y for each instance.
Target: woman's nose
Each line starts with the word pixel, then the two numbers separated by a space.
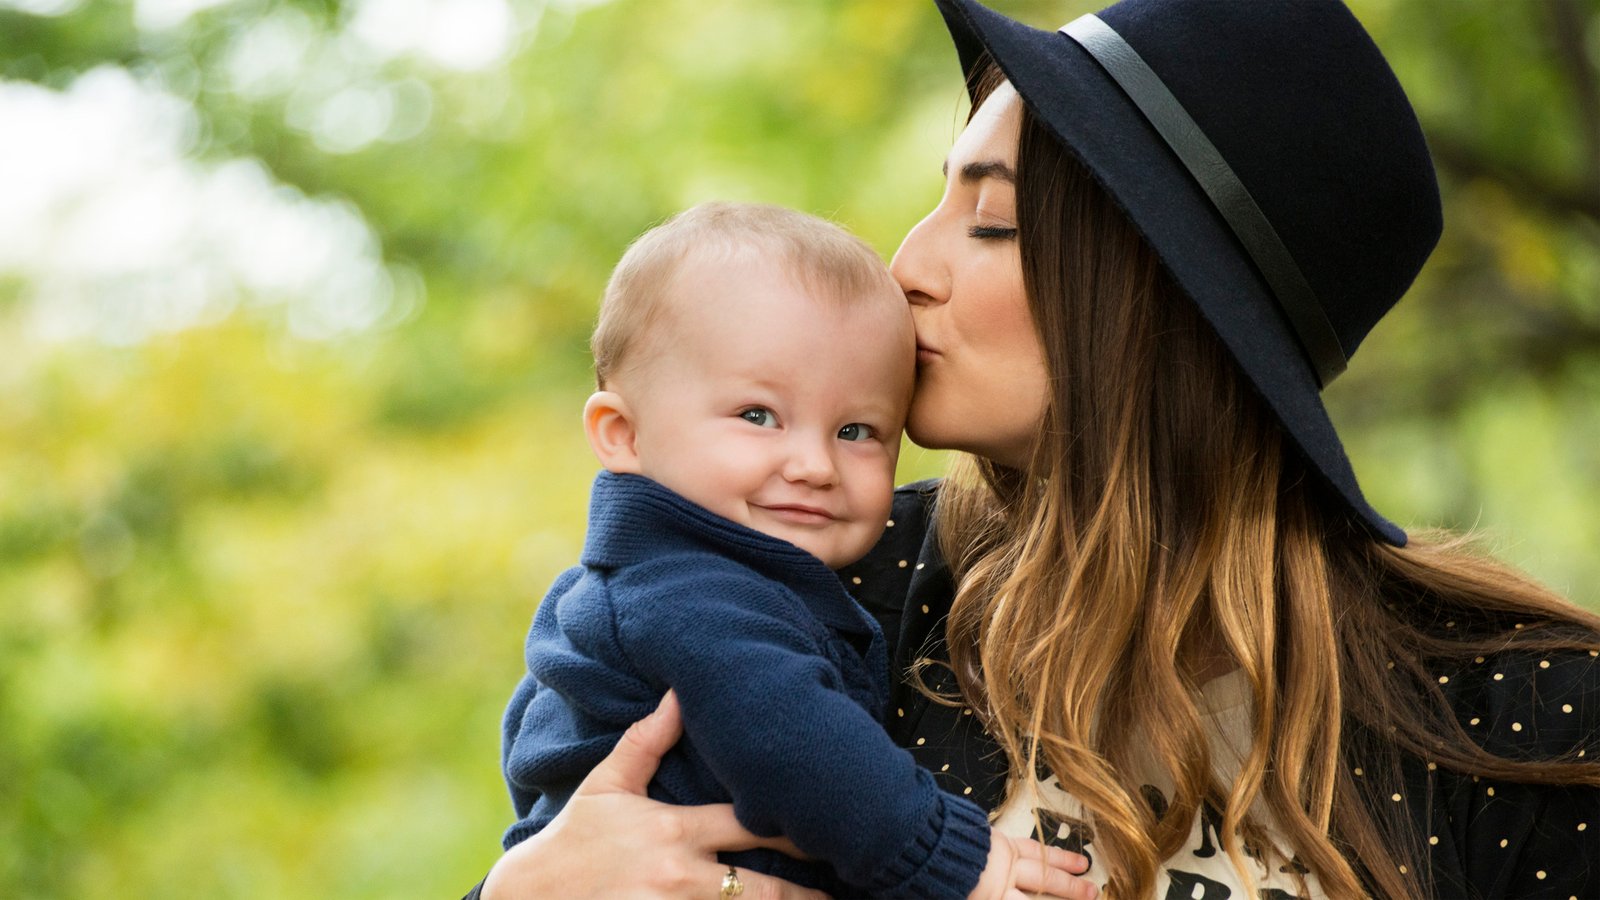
pixel 917 265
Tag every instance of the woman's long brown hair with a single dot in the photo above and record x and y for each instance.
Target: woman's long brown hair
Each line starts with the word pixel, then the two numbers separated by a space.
pixel 1165 516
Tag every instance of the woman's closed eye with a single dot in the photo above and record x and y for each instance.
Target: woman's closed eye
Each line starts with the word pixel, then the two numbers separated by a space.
pixel 991 232
pixel 760 416
pixel 856 431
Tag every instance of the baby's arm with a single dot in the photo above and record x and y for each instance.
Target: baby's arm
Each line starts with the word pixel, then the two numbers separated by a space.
pixel 670 848
pixel 768 714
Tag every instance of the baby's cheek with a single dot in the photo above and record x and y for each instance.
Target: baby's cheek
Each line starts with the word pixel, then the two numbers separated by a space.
pixel 862 537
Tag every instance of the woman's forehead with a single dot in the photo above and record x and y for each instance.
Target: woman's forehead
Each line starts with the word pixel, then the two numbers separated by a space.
pixel 992 133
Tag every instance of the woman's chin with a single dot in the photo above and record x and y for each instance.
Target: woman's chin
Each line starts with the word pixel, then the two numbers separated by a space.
pixel 937 429
pixel 935 438
pixel 924 431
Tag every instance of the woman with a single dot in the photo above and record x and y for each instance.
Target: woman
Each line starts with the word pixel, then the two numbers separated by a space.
pixel 1155 584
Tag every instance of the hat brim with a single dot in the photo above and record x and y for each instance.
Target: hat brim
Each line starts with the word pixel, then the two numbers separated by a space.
pixel 1072 95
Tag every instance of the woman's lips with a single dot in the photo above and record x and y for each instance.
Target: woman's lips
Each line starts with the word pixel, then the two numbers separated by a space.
pixel 799 513
pixel 926 354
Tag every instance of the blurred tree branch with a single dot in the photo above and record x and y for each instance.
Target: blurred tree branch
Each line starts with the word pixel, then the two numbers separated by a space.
pixel 1467 161
pixel 1565 23
pixel 1566 26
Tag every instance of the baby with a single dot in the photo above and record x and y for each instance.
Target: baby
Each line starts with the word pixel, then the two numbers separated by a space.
pixel 755 365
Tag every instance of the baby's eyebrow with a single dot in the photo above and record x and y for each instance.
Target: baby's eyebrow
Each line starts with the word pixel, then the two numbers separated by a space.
pixel 974 172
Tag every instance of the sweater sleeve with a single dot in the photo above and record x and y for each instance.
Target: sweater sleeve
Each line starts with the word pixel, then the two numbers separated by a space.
pixel 770 717
pixel 574 701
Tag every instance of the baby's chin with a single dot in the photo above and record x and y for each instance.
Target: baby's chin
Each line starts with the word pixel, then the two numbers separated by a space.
pixel 834 553
pixel 837 543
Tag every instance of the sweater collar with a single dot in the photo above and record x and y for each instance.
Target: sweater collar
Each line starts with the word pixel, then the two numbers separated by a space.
pixel 633 519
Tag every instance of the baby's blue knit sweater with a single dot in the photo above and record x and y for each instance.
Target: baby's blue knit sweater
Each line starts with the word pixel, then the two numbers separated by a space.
pixel 782 679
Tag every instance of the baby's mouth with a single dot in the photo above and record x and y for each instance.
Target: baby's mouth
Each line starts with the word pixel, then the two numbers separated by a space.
pixel 798 513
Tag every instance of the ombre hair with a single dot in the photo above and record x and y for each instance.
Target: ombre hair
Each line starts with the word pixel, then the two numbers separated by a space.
pixel 830 260
pixel 1164 514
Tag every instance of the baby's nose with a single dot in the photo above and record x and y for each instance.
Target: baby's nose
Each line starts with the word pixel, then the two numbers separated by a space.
pixel 811 461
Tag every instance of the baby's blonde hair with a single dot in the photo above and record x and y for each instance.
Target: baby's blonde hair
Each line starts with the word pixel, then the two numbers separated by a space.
pixel 830 260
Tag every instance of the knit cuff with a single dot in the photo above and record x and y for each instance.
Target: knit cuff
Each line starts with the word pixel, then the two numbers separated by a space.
pixel 520 832
pixel 943 859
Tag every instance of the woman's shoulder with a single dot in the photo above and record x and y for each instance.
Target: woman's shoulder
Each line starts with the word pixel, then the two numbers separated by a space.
pixel 1529 703
pixel 1509 837
pixel 881 579
pixel 914 501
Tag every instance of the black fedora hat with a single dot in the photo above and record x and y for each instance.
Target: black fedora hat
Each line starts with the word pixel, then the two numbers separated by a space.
pixel 1270 158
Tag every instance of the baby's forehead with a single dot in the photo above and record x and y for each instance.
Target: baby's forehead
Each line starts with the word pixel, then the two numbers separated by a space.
pixel 845 277
pixel 772 295
pixel 761 317
pixel 742 270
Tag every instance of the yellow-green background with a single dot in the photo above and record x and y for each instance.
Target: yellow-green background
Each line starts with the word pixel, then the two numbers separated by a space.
pixel 262 597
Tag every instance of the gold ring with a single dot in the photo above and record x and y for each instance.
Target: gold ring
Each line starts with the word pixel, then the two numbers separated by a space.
pixel 731 885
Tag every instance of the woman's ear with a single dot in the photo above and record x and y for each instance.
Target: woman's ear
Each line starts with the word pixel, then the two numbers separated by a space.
pixel 608 423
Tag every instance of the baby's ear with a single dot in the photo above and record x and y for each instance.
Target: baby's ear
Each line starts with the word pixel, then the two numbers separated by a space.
pixel 608 424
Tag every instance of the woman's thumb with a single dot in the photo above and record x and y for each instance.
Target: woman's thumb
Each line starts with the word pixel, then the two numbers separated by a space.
pixel 633 762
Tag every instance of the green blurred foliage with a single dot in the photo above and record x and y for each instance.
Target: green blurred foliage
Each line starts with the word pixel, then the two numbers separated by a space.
pixel 263 597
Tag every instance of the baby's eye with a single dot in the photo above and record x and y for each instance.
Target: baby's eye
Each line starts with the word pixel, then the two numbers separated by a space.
pixel 759 415
pixel 855 431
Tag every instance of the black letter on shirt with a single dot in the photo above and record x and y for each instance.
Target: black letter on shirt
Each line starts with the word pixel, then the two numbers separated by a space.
pixel 1210 824
pixel 1189 886
pixel 1154 799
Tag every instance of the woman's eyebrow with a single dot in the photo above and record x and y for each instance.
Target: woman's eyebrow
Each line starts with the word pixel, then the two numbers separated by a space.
pixel 974 172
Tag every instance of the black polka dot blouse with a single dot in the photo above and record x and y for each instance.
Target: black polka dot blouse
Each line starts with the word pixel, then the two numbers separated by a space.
pixel 1483 839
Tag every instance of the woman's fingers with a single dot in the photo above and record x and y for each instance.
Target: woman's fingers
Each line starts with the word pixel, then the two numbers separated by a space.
pixel 1051 871
pixel 585 869
pixel 757 886
pixel 612 840
pixel 783 845
pixel 714 828
pixel 1033 876
pixel 1076 863
pixel 628 768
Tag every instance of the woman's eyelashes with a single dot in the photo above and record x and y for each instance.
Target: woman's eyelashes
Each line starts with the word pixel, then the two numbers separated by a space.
pixel 991 232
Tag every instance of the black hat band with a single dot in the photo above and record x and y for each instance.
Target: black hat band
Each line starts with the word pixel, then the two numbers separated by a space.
pixel 1228 194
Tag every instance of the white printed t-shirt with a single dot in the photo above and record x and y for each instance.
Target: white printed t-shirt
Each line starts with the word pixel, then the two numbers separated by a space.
pixel 1201 870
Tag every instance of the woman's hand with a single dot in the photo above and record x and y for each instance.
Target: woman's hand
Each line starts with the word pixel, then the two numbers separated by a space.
pixel 611 840
pixel 1020 868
